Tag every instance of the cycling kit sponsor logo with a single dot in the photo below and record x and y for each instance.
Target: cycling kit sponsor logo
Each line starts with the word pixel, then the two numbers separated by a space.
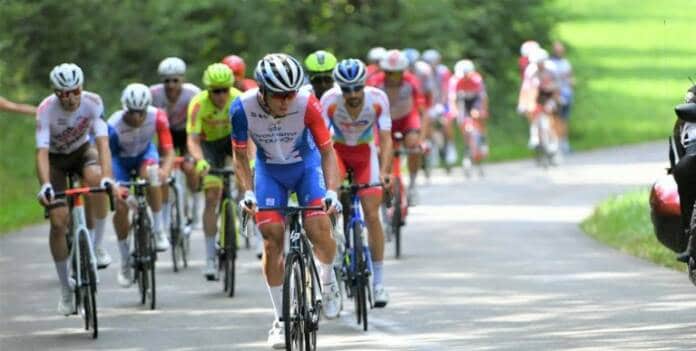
pixel 63 140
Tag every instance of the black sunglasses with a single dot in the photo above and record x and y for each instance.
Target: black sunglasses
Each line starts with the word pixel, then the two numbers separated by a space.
pixel 220 91
pixel 172 80
pixel 352 88
pixel 323 78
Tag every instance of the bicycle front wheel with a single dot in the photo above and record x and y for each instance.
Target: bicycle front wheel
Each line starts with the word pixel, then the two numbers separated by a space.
pixel 89 287
pixel 294 303
pixel 175 232
pixel 230 245
pixel 396 216
pixel 360 276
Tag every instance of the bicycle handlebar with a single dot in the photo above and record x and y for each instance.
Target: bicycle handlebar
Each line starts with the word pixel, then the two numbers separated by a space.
pixel 227 171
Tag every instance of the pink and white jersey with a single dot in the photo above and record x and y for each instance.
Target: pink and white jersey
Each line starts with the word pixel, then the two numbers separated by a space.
pixel 361 130
pixel 176 112
pixel 62 131
pixel 128 141
pixel 290 139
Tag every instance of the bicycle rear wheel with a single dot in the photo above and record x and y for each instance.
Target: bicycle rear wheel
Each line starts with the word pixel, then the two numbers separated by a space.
pixel 89 287
pixel 294 300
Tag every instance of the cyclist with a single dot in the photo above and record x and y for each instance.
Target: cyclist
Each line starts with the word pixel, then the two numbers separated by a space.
pixel 354 111
pixel 131 131
pixel 238 67
pixel 407 105
pixel 320 65
pixel 373 57
pixel 65 123
pixel 295 153
pixel 209 143
pixel 468 104
pixel 564 70
pixel 173 96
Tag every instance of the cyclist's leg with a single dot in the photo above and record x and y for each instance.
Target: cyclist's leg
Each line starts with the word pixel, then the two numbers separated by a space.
pixel 685 174
pixel 271 193
pixel 150 159
pixel 121 168
pixel 59 217
pixel 95 204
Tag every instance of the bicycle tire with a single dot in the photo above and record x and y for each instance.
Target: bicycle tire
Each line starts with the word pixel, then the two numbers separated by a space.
pixel 396 216
pixel 230 248
pixel 152 276
pixel 89 287
pixel 312 313
pixel 360 276
pixel 175 231
pixel 294 303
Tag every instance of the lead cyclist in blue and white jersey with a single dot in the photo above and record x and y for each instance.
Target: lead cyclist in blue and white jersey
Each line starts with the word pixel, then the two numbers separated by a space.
pixel 294 153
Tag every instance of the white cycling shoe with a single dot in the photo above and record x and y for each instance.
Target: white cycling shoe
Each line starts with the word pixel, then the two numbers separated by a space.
pixel 276 335
pixel 103 258
pixel 66 305
pixel 161 241
pixel 331 300
pixel 125 276
pixel 209 271
pixel 381 296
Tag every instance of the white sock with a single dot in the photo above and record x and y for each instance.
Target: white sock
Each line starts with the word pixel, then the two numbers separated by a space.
pixel 326 273
pixel 377 273
pixel 124 249
pixel 210 250
pixel 157 221
pixel 166 214
pixel 62 270
pixel 98 237
pixel 276 293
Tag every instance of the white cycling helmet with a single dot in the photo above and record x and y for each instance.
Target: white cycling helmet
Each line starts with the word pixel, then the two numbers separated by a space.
pixel 463 67
pixel 279 73
pixel 66 76
pixel 393 61
pixel 422 69
pixel 431 56
pixel 136 96
pixel 538 55
pixel 528 47
pixel 172 66
pixel 376 54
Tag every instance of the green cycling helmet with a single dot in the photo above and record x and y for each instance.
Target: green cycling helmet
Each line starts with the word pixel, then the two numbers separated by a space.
pixel 218 75
pixel 320 61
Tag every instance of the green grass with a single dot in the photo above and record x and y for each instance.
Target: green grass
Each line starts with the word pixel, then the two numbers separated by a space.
pixel 632 60
pixel 18 184
pixel 623 222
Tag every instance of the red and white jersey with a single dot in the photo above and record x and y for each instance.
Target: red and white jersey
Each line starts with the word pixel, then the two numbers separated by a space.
pixel 62 131
pixel 361 130
pixel 129 141
pixel 285 140
pixel 407 99
pixel 176 112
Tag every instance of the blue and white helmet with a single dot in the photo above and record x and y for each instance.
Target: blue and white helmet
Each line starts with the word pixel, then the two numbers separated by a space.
pixel 136 96
pixel 412 55
pixel 350 72
pixel 280 73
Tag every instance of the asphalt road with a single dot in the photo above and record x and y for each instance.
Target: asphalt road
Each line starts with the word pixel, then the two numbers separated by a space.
pixel 497 263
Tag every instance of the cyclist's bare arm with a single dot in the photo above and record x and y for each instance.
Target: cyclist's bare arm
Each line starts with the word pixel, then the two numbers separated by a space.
pixel 385 149
pixel 193 141
pixel 425 123
pixel 7 105
pixel 168 161
pixel 42 166
pixel 329 166
pixel 104 155
pixel 242 168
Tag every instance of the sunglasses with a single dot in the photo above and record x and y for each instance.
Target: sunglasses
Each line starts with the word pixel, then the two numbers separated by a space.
pixel 64 94
pixel 321 79
pixel 352 88
pixel 283 96
pixel 172 80
pixel 220 91
pixel 395 73
pixel 136 112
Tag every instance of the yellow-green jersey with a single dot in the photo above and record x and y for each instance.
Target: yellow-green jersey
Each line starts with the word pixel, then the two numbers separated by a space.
pixel 206 119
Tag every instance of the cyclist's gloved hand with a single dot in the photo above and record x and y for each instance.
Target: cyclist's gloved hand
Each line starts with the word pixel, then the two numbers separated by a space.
pixel 107 183
pixel 248 203
pixel 331 201
pixel 202 166
pixel 46 194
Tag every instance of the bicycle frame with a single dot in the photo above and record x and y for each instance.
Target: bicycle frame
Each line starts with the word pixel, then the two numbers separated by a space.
pixel 357 217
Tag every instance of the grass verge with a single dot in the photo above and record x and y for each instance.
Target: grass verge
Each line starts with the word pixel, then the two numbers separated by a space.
pixel 623 222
